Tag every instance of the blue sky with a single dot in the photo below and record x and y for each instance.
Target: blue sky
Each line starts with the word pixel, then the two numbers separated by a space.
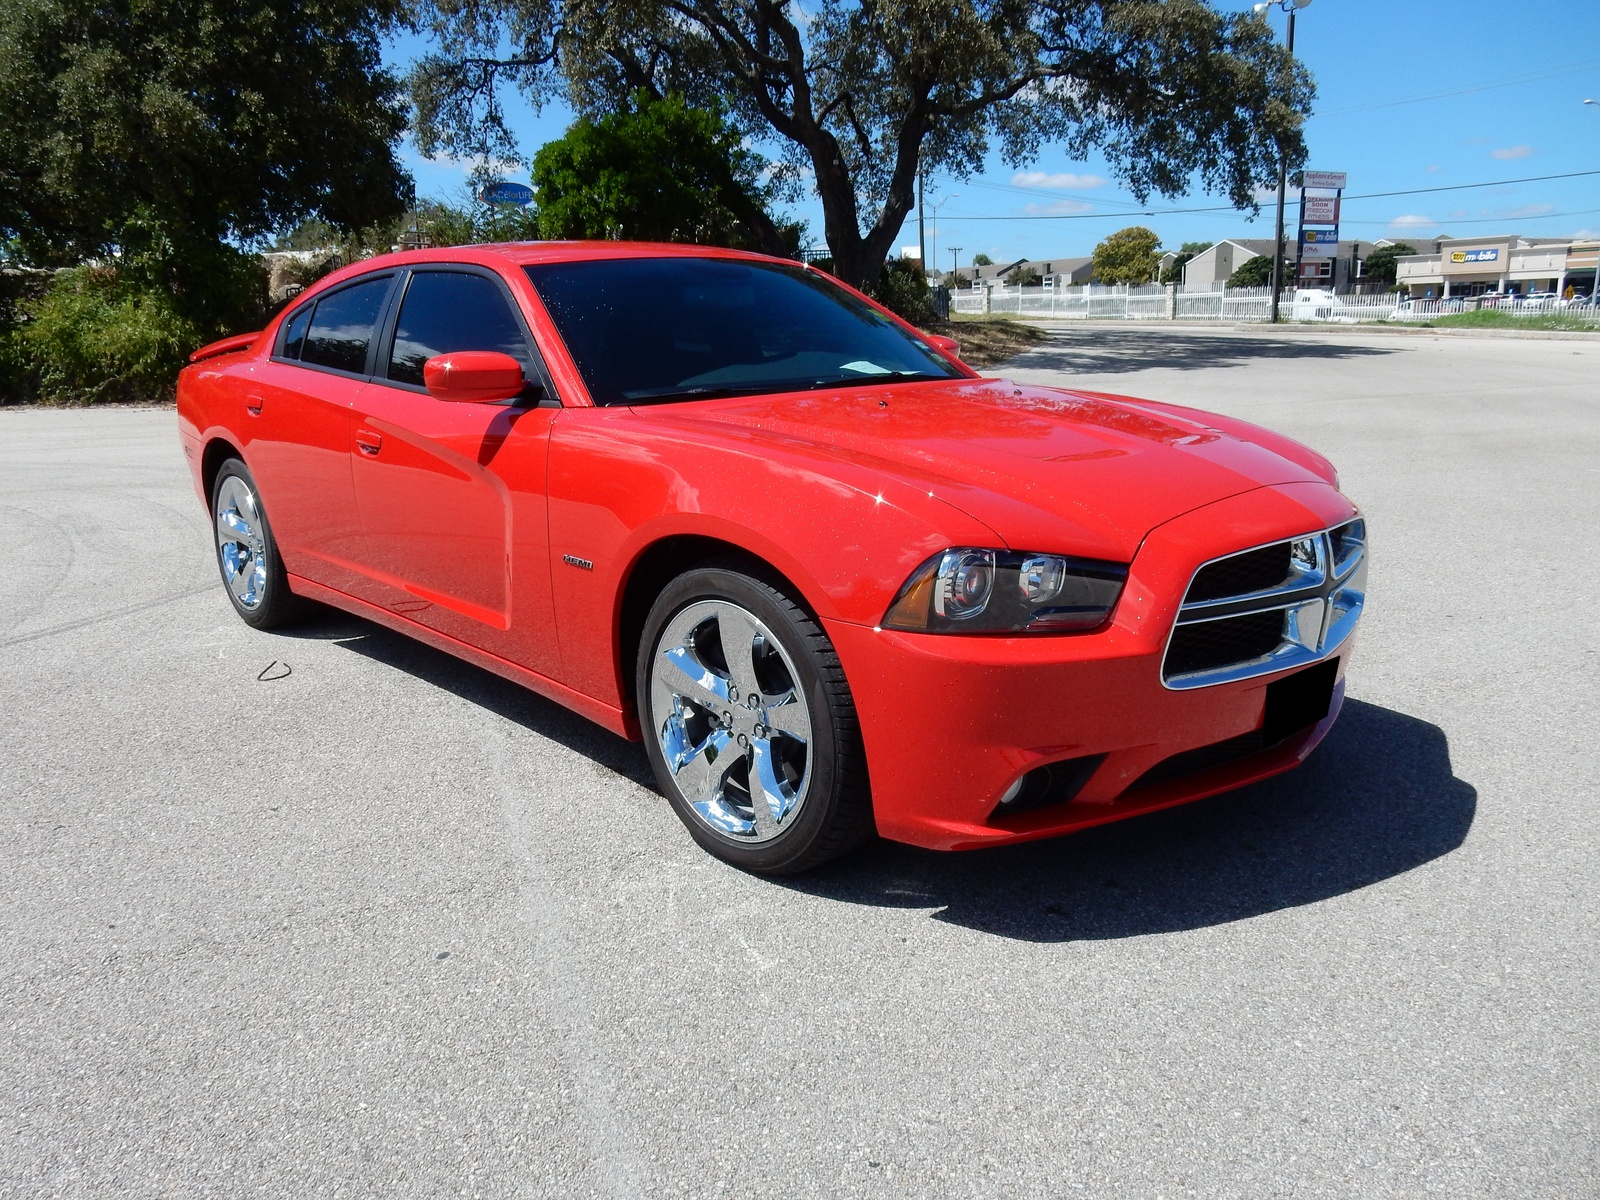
pixel 1411 94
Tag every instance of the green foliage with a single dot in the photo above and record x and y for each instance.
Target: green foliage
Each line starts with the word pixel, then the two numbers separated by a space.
pixel 861 97
pixel 1127 256
pixel 153 138
pixel 1381 264
pixel 982 260
pixel 208 119
pixel 903 289
pixel 1024 277
pixel 94 337
pixel 658 171
pixel 1253 272
pixel 955 279
pixel 122 331
pixel 1493 318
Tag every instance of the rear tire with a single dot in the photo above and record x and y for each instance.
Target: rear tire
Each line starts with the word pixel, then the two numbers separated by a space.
pixel 749 724
pixel 247 555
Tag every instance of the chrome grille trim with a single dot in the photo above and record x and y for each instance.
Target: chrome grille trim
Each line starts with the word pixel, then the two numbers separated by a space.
pixel 1321 600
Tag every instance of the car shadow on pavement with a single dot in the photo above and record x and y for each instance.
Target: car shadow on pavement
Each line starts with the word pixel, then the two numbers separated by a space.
pixel 478 686
pixel 1377 799
pixel 1103 351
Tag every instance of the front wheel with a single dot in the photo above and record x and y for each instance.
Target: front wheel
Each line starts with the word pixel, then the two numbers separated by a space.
pixel 247 554
pixel 749 724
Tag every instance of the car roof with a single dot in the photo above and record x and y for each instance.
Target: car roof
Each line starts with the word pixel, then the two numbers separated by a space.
pixel 526 253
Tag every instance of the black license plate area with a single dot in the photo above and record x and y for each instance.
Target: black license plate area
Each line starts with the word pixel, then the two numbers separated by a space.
pixel 1299 701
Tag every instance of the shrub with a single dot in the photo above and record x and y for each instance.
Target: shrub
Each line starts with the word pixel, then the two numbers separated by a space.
pixel 1253 272
pixel 94 337
pixel 903 290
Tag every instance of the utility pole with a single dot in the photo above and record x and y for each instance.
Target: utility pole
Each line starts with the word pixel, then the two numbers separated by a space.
pixel 1290 7
pixel 955 260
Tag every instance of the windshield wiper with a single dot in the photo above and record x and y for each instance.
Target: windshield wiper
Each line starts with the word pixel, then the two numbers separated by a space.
pixel 875 380
pixel 699 393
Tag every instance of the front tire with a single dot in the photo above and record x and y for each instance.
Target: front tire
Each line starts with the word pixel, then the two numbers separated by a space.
pixel 749 724
pixel 247 555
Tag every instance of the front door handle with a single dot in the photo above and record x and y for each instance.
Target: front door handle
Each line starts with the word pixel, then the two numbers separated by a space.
pixel 368 441
pixel 252 405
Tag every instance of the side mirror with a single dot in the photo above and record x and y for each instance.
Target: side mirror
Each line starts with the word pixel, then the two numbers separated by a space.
pixel 473 377
pixel 948 345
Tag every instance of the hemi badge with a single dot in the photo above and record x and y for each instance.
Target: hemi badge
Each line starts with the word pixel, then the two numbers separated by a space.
pixel 574 560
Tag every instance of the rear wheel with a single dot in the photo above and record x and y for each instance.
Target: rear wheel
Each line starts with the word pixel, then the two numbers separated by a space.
pixel 749 724
pixel 247 555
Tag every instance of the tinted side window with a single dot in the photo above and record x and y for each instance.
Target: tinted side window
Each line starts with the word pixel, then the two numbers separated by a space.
pixel 342 326
pixel 446 311
pixel 294 333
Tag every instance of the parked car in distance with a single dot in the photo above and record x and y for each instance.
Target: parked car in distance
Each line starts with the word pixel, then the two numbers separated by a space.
pixel 835 580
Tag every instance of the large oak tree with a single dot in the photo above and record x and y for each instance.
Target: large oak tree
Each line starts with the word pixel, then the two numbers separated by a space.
pixel 180 124
pixel 859 96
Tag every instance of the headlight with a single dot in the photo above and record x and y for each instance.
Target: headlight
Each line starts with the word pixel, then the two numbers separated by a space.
pixel 999 591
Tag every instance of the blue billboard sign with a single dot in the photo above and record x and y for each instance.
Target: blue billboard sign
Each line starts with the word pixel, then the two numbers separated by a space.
pixel 507 193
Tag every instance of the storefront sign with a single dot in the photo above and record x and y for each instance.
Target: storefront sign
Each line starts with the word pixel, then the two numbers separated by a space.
pixel 1322 210
pixel 1319 243
pixel 1491 254
pixel 507 193
pixel 1324 179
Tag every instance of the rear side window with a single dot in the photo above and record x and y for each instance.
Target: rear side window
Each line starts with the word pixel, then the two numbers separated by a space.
pixel 446 311
pixel 294 333
pixel 341 328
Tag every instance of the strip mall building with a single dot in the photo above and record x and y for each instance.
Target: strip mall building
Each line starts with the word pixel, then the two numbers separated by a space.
pixel 1473 266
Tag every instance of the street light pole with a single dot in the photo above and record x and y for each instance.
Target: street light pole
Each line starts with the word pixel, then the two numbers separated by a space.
pixel 1290 7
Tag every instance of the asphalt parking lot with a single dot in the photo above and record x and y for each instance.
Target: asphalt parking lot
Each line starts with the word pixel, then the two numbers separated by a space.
pixel 327 913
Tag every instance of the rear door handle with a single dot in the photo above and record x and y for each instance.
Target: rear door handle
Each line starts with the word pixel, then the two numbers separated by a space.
pixel 368 441
pixel 252 405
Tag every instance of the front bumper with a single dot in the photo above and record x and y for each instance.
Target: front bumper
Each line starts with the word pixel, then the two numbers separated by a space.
pixel 950 722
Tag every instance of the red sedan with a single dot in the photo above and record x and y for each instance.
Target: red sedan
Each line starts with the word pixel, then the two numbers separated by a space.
pixel 838 582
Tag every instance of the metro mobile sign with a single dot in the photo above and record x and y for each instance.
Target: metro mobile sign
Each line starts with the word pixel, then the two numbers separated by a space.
pixel 1490 254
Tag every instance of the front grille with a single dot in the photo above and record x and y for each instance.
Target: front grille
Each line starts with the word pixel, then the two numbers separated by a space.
pixel 1269 608
pixel 1240 574
pixel 1210 644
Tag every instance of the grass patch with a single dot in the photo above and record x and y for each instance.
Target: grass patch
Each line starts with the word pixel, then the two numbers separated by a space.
pixel 1493 318
pixel 989 339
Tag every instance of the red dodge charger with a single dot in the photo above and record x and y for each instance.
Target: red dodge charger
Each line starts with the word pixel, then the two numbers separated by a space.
pixel 837 582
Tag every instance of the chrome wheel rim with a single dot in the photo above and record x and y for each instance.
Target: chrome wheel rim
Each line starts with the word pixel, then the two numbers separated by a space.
pixel 241 548
pixel 732 724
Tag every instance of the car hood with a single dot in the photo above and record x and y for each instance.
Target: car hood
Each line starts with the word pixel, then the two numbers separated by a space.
pixel 1046 468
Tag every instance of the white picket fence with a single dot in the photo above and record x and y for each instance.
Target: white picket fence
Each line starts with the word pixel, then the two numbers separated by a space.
pixel 1155 302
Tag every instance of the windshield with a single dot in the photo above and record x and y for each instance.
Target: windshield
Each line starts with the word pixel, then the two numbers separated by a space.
pixel 653 330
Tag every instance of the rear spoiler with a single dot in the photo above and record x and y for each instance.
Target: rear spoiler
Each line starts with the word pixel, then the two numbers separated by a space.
pixel 228 345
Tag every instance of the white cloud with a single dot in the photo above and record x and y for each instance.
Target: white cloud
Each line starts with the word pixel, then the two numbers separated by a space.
pixel 1057 208
pixel 1527 210
pixel 1413 221
pixel 1063 181
pixel 1512 152
pixel 1267 193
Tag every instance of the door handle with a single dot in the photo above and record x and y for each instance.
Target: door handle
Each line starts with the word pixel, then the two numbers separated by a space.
pixel 252 405
pixel 367 441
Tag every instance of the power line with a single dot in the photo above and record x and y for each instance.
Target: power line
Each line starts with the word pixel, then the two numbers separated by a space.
pixel 1167 212
pixel 1511 81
